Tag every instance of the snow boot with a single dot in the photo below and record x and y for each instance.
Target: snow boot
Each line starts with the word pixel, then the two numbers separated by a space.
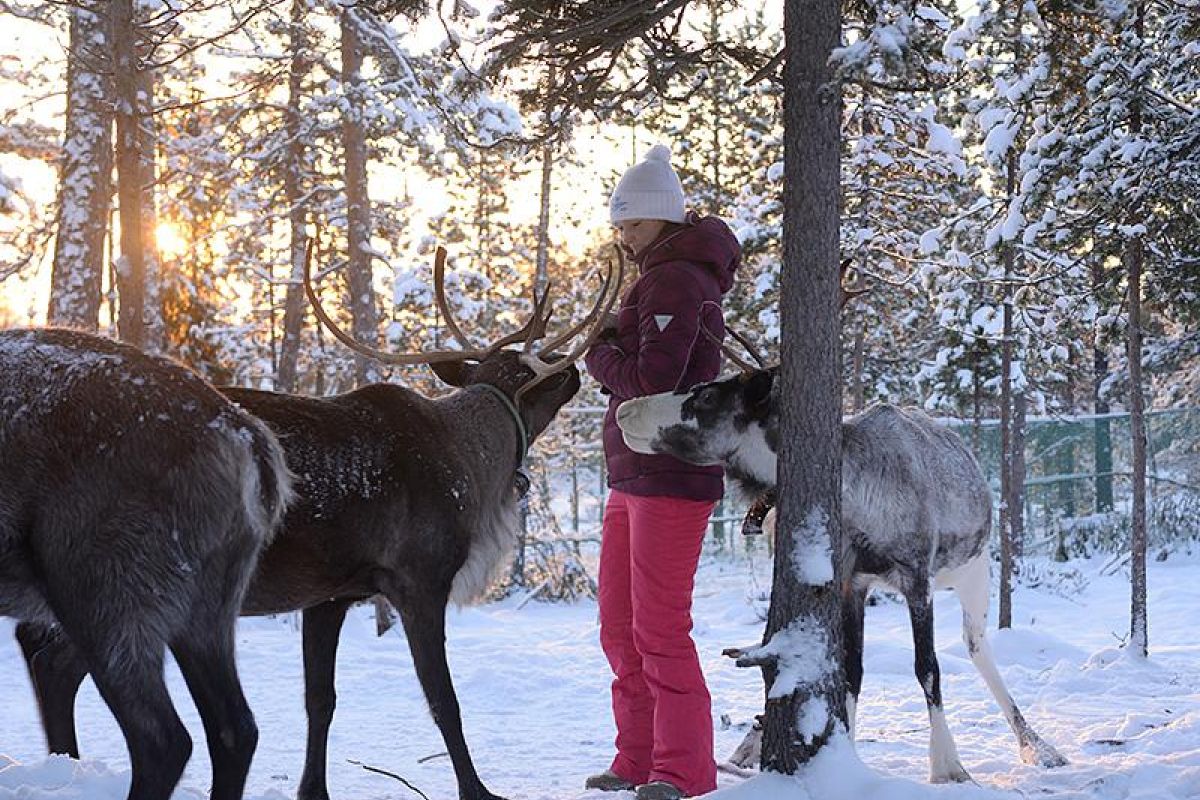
pixel 608 781
pixel 659 790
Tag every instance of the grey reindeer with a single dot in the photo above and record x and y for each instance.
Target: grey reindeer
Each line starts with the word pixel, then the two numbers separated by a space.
pixel 916 515
pixel 397 494
pixel 134 500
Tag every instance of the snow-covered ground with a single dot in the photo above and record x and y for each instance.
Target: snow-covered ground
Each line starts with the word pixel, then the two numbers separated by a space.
pixel 533 685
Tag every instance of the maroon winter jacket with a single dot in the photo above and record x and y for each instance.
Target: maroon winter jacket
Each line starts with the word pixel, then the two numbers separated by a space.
pixel 659 347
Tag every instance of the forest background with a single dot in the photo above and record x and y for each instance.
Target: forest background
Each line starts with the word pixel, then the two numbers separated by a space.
pixel 164 164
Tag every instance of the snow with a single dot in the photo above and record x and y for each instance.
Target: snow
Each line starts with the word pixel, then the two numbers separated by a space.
pixel 930 241
pixel 534 690
pixel 812 563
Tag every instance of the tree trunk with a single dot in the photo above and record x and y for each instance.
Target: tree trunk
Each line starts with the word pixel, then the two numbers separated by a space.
pixel 541 275
pixel 858 398
pixel 858 394
pixel 1134 258
pixel 293 187
pixel 131 266
pixel 147 132
pixel 1101 435
pixel 1016 505
pixel 85 175
pixel 364 319
pixel 977 404
pixel 802 716
pixel 715 110
pixel 1006 460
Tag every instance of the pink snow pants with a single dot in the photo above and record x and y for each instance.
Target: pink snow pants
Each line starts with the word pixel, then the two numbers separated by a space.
pixel 649 550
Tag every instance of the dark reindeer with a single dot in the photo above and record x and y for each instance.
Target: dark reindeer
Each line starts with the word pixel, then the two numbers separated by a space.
pixel 397 494
pixel 916 515
pixel 134 500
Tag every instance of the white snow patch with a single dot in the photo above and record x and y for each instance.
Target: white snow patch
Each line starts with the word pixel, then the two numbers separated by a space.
pixel 1129 726
pixel 812 560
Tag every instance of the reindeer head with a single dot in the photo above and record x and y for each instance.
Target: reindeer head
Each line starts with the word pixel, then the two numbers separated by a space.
pixel 731 422
pixel 508 371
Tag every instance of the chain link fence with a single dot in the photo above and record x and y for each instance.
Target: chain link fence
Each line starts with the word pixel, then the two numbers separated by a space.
pixel 1078 480
pixel 1077 494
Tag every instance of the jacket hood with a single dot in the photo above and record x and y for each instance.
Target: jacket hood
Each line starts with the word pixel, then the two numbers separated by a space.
pixel 707 241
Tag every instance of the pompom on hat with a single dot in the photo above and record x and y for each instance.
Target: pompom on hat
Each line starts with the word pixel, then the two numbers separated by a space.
pixel 649 189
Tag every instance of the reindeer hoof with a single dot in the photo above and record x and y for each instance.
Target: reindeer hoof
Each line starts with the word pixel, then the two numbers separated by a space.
pixel 312 793
pixel 953 773
pixel 1041 754
pixel 481 794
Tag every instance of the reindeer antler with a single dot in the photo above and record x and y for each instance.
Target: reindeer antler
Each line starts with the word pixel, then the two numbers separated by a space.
pixel 732 355
pixel 533 330
pixel 846 296
pixel 439 295
pixel 610 290
pixel 427 357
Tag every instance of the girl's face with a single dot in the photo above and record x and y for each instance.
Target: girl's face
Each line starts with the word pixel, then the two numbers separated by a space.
pixel 638 234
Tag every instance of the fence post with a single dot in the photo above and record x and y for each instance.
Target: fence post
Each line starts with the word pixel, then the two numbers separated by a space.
pixel 574 482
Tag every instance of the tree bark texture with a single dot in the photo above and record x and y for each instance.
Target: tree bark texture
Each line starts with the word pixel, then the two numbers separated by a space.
pixel 1138 637
pixel 364 317
pixel 799 724
pixel 1016 505
pixel 1102 434
pixel 541 277
pixel 147 131
pixel 133 180
pixel 1004 619
pixel 85 174
pixel 1134 257
pixel 286 376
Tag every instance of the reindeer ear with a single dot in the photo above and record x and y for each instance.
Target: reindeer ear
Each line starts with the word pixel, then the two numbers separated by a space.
pixel 454 373
pixel 757 391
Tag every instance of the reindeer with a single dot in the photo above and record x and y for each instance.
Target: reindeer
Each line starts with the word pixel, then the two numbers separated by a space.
pixel 134 500
pixel 397 494
pixel 915 508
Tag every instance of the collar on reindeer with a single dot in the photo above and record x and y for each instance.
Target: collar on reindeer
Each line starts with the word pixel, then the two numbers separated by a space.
pixel 522 432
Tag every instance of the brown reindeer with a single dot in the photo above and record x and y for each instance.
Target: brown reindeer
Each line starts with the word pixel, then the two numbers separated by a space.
pixel 134 500
pixel 398 494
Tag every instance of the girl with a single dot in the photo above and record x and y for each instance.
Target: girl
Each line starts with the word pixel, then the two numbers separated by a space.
pixel 658 509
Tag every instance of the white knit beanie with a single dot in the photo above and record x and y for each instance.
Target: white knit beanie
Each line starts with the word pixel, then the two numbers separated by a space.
pixel 649 190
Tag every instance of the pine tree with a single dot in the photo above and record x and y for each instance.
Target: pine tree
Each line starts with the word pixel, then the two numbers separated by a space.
pixel 1115 178
pixel 803 717
pixel 85 180
pixel 296 176
pixel 133 83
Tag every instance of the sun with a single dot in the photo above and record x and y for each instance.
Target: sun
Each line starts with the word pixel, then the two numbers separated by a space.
pixel 170 240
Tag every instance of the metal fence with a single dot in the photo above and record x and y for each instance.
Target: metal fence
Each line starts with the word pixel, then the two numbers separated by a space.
pixel 1077 481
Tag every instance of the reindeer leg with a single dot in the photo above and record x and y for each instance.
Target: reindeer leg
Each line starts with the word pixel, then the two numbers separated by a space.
pixel 56 670
pixel 971 584
pixel 204 650
pixel 205 657
pixel 853 609
pixel 944 764
pixel 424 619
pixel 126 664
pixel 322 627
pixel 748 754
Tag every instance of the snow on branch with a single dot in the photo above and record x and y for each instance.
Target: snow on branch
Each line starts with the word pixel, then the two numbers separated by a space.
pixel 800 654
